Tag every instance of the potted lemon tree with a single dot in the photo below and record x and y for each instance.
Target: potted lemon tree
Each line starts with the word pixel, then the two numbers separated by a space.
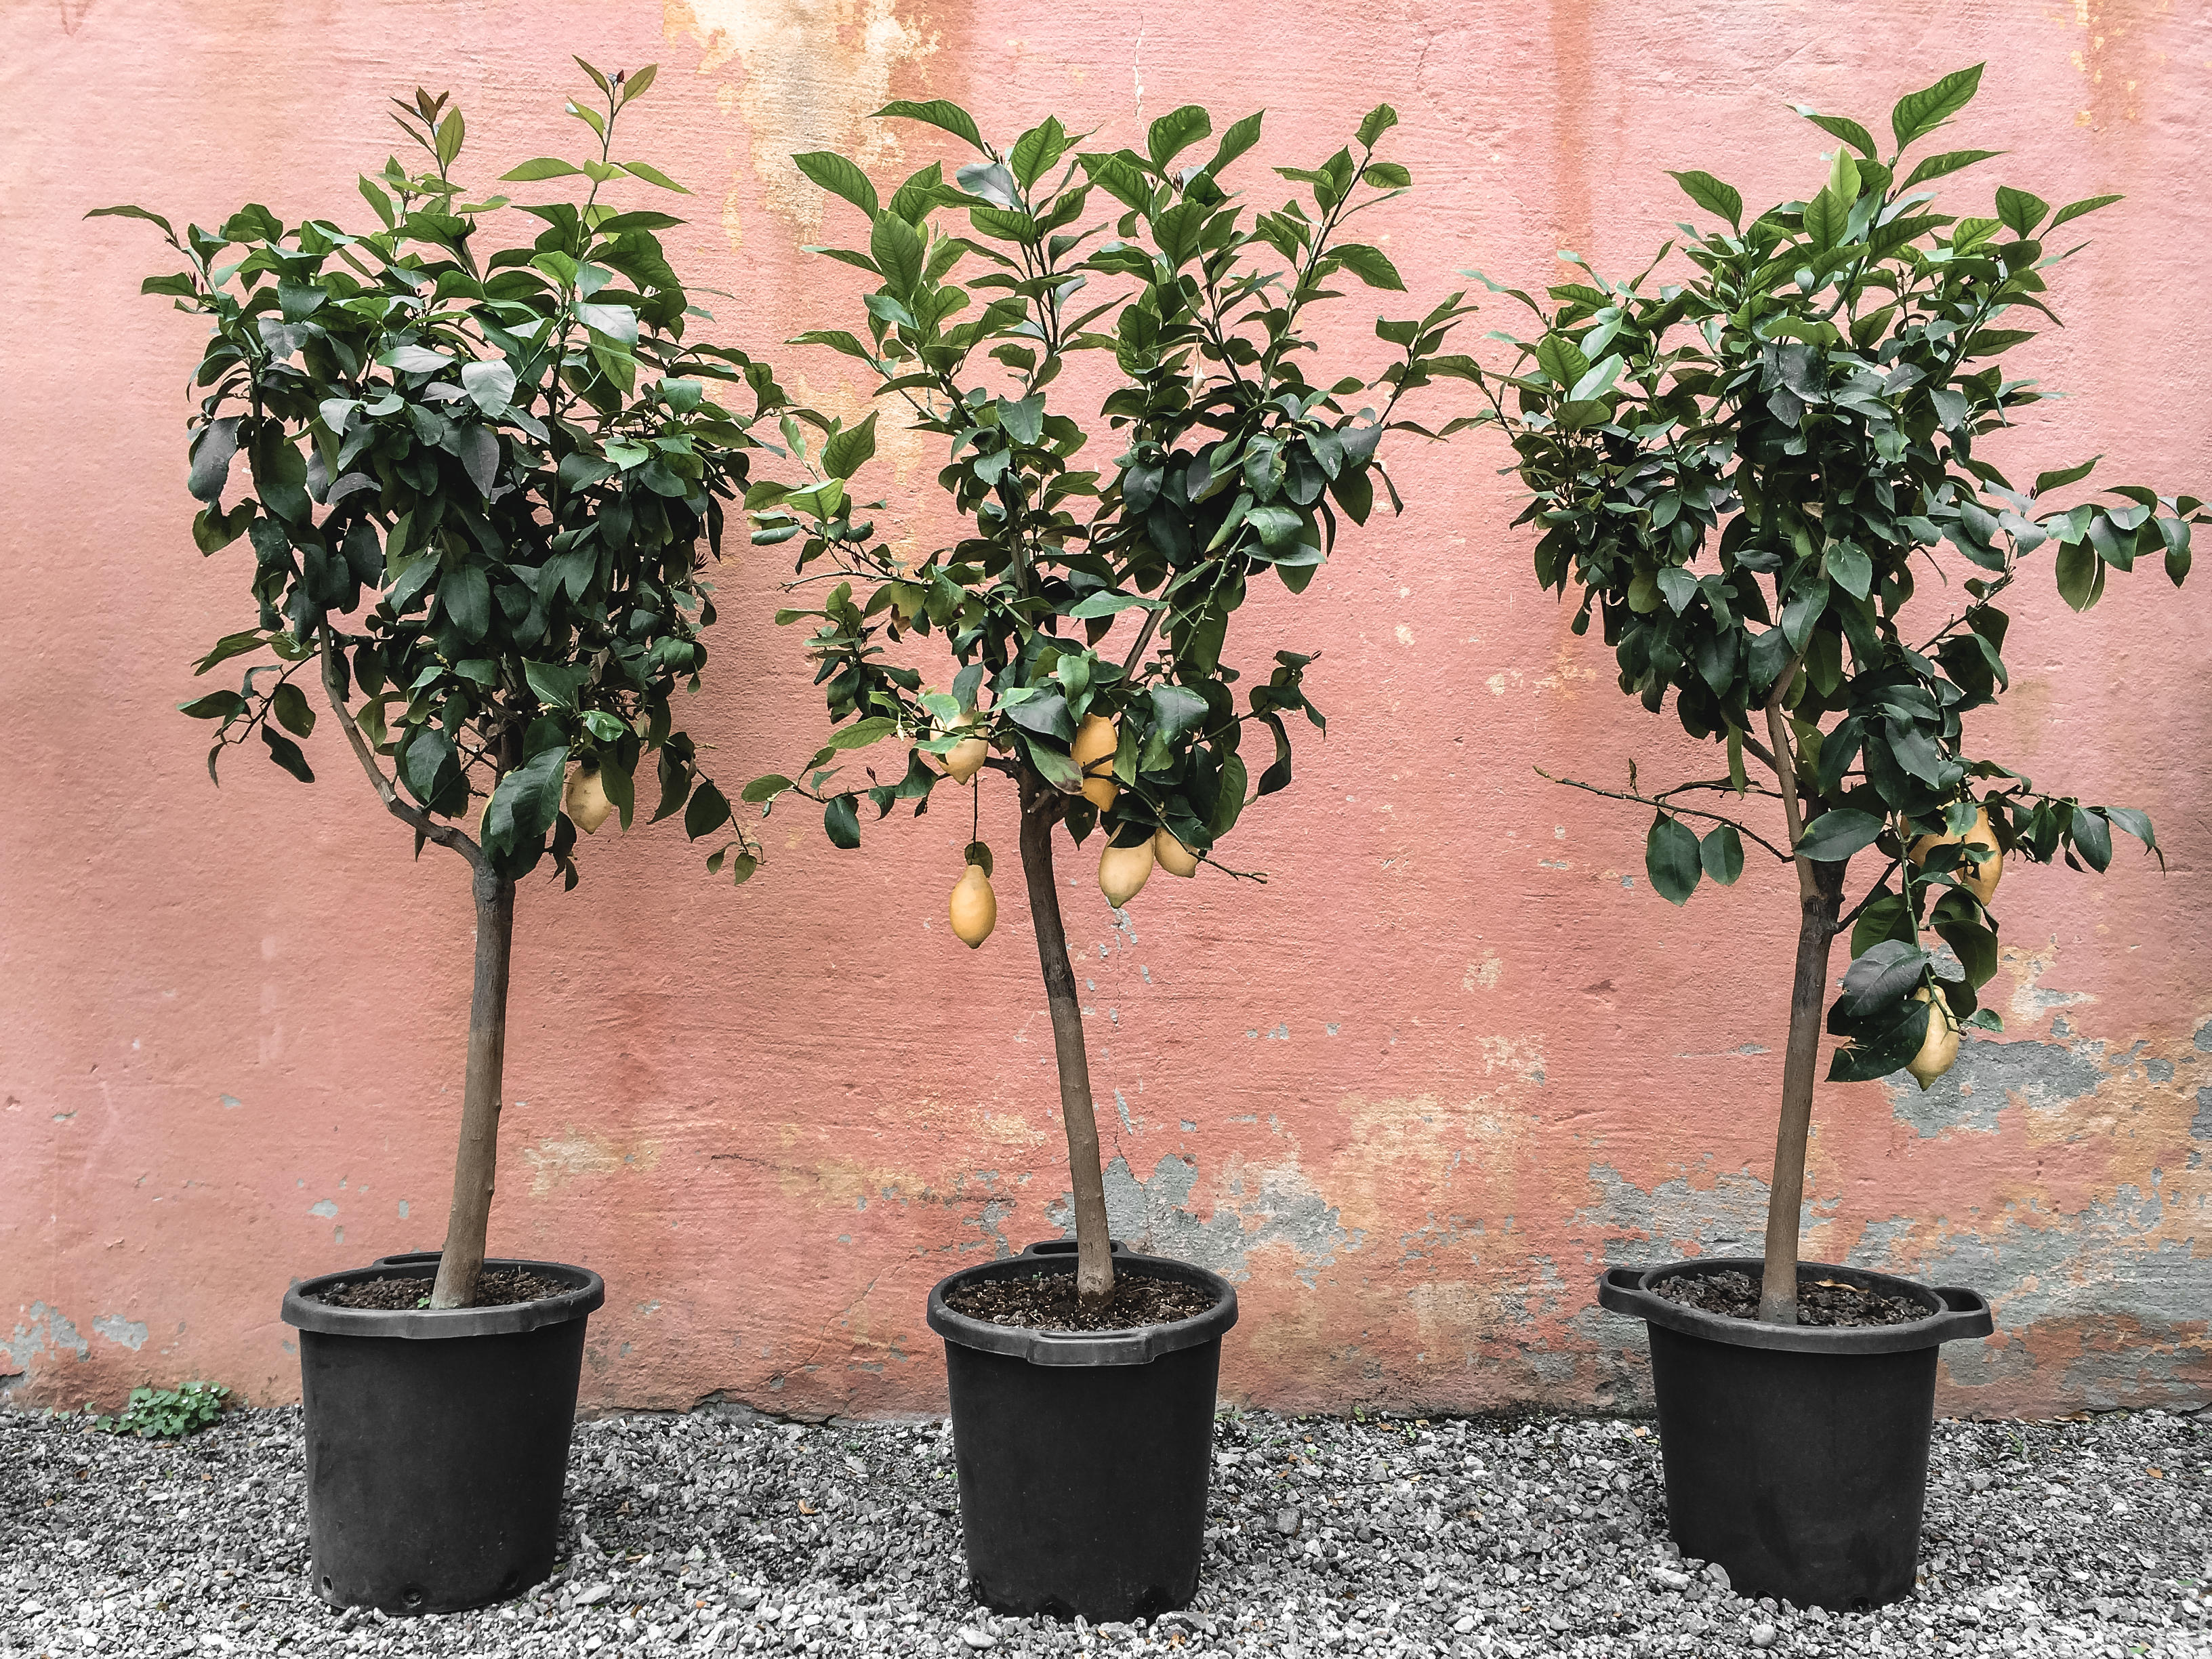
pixel 1086 612
pixel 477 476
pixel 1775 482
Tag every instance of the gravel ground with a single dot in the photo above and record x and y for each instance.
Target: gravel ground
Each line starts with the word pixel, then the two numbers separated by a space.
pixel 713 1533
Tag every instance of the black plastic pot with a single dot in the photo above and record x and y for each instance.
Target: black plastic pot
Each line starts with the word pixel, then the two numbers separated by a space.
pixel 437 1441
pixel 1082 1457
pixel 1797 1455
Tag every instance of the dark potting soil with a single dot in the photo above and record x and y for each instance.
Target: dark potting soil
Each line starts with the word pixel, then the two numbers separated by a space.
pixel 1048 1302
pixel 1819 1301
pixel 494 1289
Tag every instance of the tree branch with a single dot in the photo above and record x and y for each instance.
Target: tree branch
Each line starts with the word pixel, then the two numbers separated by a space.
pixel 1785 769
pixel 446 835
pixel 1669 806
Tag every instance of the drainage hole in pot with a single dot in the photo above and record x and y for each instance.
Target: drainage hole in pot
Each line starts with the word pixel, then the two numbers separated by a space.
pixel 1861 1604
pixel 412 1598
pixel 507 1584
pixel 326 1584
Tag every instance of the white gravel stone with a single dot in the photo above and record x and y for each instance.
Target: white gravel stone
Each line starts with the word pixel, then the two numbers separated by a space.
pixel 741 1538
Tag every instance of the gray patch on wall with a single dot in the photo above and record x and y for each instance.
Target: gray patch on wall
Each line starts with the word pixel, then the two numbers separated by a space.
pixel 1641 1229
pixel 2045 1076
pixel 1150 1215
pixel 48 1328
pixel 129 1333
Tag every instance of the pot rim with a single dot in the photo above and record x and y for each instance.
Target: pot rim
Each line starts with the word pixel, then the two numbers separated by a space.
pixel 430 1324
pixel 1138 1347
pixel 1954 1311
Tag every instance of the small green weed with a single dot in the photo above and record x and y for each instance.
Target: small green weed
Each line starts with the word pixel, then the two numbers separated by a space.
pixel 169 1413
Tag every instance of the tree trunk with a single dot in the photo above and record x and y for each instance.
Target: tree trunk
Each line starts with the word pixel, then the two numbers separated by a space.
pixel 476 1161
pixel 1808 997
pixel 1094 1258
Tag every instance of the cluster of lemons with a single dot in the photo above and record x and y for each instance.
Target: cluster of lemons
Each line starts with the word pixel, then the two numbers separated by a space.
pixel 1979 875
pixel 1122 871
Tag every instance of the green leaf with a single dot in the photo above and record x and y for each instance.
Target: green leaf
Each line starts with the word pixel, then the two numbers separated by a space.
pixel 215 706
pixel 489 383
pixel 840 178
pixel 133 213
pixel 289 704
pixel 212 449
pixel 1106 603
pixel 1843 127
pixel 465 597
pixel 1377 122
pixel 1950 162
pixel 2080 575
pixel 1240 137
pixel 1721 853
pixel 1176 131
pixel 1562 358
pixel 2020 211
pixel 897 250
pixel 1881 978
pixel 848 450
pixel 554 684
pixel 1673 858
pixel 1369 265
pixel 1850 568
pixel 767 789
pixel 2064 476
pixel 1919 114
pixel 1036 151
pixel 708 811
pixel 862 733
pixel 937 113
pixel 842 819
pixel 652 175
pixel 2074 209
pixel 1835 836
pixel 1711 194
pixel 524 805
pixel 286 753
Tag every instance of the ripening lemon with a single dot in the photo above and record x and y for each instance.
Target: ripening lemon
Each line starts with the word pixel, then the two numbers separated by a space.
pixel 1122 871
pixel 585 801
pixel 1982 883
pixel 1096 741
pixel 965 758
pixel 1939 1049
pixel 1174 857
pixel 975 908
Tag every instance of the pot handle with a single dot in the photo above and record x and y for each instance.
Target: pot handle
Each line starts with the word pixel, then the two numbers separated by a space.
pixel 1968 1313
pixel 1066 1247
pixel 1618 1289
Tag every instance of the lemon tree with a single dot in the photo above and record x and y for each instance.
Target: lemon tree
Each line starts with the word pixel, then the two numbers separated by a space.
pixel 1774 481
pixel 478 477
pixel 1114 521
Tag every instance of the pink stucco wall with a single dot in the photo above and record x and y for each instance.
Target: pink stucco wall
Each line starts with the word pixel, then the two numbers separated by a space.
pixel 1412 1094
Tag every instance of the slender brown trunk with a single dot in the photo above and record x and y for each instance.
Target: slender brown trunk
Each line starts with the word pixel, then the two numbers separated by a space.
pixel 476 1161
pixel 1094 1257
pixel 1808 997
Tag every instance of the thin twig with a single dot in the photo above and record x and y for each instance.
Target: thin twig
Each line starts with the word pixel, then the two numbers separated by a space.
pixel 1669 806
pixel 446 835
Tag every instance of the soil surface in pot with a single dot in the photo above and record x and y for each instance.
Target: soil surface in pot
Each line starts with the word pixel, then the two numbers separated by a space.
pixel 1819 1301
pixel 1048 1302
pixel 494 1289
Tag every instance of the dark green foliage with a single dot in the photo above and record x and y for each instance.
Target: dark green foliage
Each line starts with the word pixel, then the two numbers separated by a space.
pixel 1748 476
pixel 479 485
pixel 169 1413
pixel 1231 463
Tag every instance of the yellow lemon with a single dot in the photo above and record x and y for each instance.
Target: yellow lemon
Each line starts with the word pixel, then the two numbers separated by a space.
pixel 1982 883
pixel 1174 857
pixel 1939 1049
pixel 1096 742
pixel 966 758
pixel 1122 871
pixel 585 801
pixel 975 908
